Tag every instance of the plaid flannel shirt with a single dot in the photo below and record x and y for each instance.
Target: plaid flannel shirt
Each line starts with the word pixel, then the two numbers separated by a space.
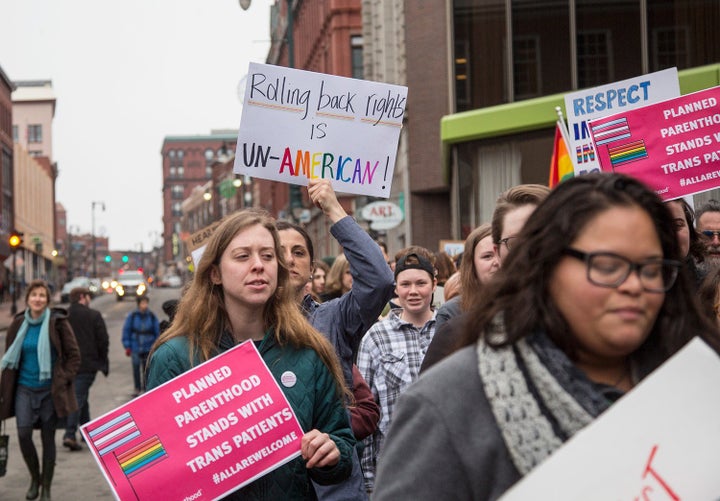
pixel 389 359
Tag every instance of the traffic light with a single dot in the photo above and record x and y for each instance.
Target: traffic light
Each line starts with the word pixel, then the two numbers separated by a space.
pixel 108 258
pixel 15 239
pixel 125 259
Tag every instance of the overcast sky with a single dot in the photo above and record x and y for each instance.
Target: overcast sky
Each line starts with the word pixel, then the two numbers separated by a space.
pixel 125 75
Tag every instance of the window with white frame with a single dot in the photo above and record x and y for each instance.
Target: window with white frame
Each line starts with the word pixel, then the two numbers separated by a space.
pixel 34 133
pixel 177 192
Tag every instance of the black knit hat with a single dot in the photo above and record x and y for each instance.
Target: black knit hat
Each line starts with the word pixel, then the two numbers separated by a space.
pixel 414 261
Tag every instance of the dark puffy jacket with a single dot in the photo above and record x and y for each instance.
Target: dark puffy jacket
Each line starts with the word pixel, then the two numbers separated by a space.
pixel 314 399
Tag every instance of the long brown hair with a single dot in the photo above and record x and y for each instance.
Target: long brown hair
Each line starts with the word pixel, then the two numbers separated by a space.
pixel 334 277
pixel 471 288
pixel 519 293
pixel 201 315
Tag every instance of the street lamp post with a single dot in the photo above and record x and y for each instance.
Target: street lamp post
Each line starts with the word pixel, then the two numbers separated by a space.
pixel 294 194
pixel 15 241
pixel 94 256
pixel 13 308
pixel 293 189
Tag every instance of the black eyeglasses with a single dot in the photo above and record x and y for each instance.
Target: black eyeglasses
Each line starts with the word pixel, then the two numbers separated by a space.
pixel 507 242
pixel 711 233
pixel 606 269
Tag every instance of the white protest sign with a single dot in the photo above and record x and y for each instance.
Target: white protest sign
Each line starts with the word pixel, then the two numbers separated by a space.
pixel 660 441
pixel 298 125
pixel 604 100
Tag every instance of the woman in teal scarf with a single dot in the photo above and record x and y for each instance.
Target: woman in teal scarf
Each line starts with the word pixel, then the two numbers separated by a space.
pixel 36 386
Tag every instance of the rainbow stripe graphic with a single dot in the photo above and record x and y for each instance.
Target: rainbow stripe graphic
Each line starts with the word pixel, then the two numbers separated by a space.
pixel 628 152
pixel 142 456
pixel 114 433
pixel 612 131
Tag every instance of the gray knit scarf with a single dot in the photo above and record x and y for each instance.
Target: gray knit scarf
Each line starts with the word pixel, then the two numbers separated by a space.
pixel 537 395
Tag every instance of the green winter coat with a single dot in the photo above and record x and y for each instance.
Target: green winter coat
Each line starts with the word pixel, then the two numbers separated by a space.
pixel 314 399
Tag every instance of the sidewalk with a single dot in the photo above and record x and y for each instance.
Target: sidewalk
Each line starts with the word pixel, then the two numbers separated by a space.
pixel 5 315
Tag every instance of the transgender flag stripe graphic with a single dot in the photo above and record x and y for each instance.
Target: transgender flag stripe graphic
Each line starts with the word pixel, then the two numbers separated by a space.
pixel 142 456
pixel 609 132
pixel 114 433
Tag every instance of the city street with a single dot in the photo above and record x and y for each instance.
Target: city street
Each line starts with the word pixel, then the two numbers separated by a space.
pixel 77 475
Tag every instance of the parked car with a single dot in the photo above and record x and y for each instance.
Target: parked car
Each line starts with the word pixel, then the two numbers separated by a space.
pixel 75 282
pixel 130 283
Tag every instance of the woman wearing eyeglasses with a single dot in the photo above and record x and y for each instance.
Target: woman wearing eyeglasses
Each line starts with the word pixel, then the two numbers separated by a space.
pixel 590 299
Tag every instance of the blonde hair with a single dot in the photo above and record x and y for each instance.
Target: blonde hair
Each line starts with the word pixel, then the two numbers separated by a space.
pixel 201 315
pixel 334 277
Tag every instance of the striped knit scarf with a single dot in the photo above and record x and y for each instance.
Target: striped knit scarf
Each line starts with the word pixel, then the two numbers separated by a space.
pixel 538 397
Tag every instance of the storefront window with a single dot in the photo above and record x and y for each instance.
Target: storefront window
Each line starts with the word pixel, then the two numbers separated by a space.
pixel 608 41
pixel 480 61
pixel 683 33
pixel 541 48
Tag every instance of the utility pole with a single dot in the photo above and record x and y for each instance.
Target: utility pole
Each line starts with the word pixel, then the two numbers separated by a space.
pixel 94 255
pixel 295 196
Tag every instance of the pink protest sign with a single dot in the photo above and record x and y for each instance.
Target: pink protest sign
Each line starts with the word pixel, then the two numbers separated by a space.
pixel 199 436
pixel 672 146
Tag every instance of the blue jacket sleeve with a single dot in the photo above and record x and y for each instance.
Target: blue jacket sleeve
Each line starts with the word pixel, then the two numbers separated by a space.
pixel 373 280
pixel 127 332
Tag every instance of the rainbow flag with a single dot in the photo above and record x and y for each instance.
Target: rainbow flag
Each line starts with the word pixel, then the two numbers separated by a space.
pixel 628 152
pixel 142 456
pixel 561 167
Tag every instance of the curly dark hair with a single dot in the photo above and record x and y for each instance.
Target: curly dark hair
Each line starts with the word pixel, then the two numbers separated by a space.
pixel 521 296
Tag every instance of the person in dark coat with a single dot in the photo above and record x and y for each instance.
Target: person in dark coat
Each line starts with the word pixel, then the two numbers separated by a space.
pixel 36 385
pixel 92 338
pixel 169 307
